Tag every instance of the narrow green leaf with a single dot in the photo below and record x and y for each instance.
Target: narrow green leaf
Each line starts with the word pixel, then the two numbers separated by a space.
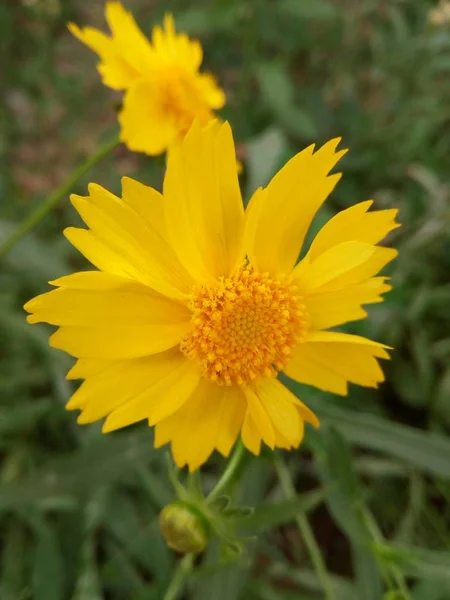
pixel 427 451
pixel 317 10
pixel 88 586
pixel 105 460
pixel 48 570
pixel 270 515
pixel 335 466
pixel 416 562
pixel 264 154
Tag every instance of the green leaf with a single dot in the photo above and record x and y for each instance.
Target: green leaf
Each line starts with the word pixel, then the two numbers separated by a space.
pixel 141 540
pixel 430 590
pixel 88 586
pixel 278 92
pixel 307 579
pixel 36 259
pixel 316 10
pixel 427 451
pixel 270 515
pixel 264 154
pixel 48 572
pixel 416 562
pixel 22 418
pixel 335 466
pixel 105 460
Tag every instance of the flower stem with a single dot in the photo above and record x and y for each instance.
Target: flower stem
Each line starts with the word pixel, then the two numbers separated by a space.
pixel 305 529
pixel 183 570
pixel 51 201
pixel 231 470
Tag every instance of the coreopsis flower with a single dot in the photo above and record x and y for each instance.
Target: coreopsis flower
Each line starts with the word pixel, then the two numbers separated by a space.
pixel 198 305
pixel 164 90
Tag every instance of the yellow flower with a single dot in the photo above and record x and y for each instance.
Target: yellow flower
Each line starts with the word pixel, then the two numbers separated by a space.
pixel 164 89
pixel 197 306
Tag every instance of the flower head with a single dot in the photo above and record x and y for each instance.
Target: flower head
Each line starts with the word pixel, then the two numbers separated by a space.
pixel 198 305
pixel 164 89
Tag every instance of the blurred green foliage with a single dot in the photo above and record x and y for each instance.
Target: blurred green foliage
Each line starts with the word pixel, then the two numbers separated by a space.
pixel 78 510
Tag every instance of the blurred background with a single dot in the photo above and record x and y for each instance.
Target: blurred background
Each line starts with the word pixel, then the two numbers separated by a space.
pixel 78 511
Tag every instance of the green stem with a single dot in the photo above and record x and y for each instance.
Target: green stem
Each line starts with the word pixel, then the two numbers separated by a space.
pixel 51 201
pixel 230 472
pixel 399 583
pixel 183 570
pixel 305 529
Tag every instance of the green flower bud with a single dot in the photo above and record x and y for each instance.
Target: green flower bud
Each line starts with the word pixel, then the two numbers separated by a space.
pixel 183 528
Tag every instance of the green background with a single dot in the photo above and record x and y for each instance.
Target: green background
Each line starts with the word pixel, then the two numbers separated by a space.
pixel 78 510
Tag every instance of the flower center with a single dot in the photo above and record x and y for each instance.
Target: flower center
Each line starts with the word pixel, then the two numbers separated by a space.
pixel 180 99
pixel 244 327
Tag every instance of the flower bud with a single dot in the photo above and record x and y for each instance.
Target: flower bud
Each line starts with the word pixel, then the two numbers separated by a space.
pixel 183 528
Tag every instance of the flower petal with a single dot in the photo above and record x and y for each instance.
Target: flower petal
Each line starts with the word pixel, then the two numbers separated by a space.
pixel 130 42
pixel 171 47
pixel 116 73
pixel 146 124
pixel 105 317
pixel 354 224
pixel 110 301
pixel 143 249
pixel 274 395
pixel 332 265
pixel 331 308
pixel 126 55
pixel 163 397
pixel 87 367
pixel 204 211
pixel 257 417
pixel 280 216
pixel 231 415
pixel 281 406
pixel 194 429
pixel 142 383
pixel 118 341
pixel 329 360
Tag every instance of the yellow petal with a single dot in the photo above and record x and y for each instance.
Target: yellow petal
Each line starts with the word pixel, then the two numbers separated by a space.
pixel 334 263
pixel 232 412
pixel 204 211
pixel 126 55
pixel 106 303
pixel 147 202
pixel 100 254
pixel 251 437
pixel 116 225
pixel 193 430
pixel 146 125
pixel 331 308
pixel 118 341
pixel 380 258
pixel 163 396
pixel 329 360
pixel 280 217
pixel 260 418
pixel 274 394
pixel 116 73
pixel 354 224
pixel 377 348
pixel 281 408
pixel 171 47
pixel 130 42
pixel 87 367
pixel 106 390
